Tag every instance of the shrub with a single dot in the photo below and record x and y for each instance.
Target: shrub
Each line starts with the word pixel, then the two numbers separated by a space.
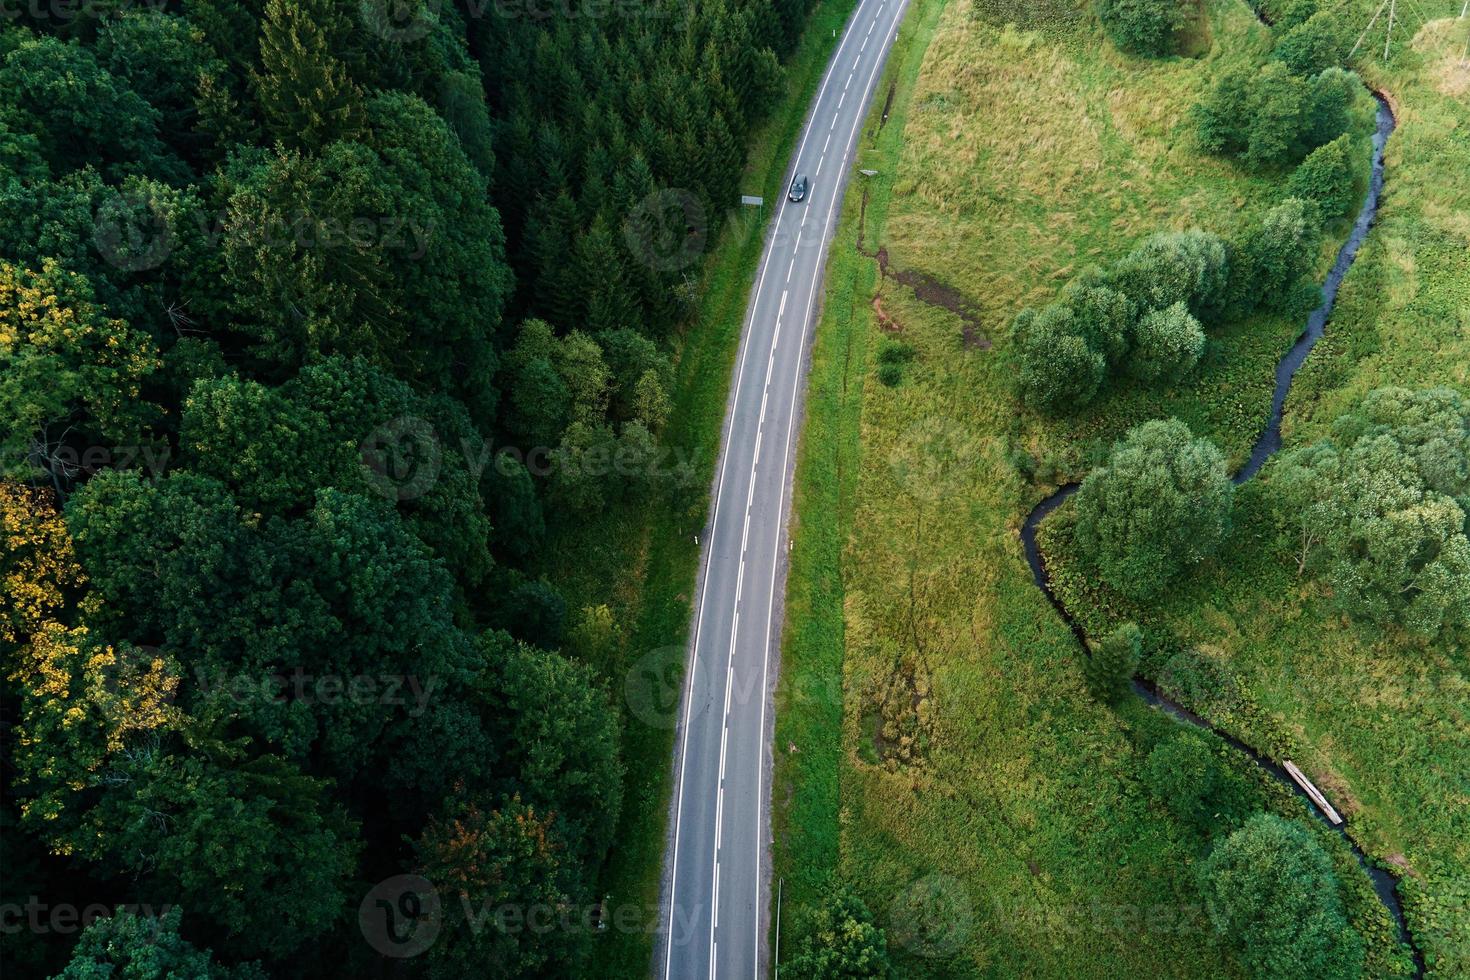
pixel 1167 344
pixel 1058 368
pixel 1328 178
pixel 843 944
pixel 1109 666
pixel 1272 889
pixel 1197 788
pixel 1290 13
pixel 1161 505
pixel 1311 48
pixel 895 352
pixel 892 357
pixel 1148 27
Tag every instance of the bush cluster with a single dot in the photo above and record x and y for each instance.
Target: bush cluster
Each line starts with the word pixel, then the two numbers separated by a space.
pixel 1269 117
pixel 1147 27
pixel 1381 507
pixel 893 357
pixel 1144 317
pixel 1274 114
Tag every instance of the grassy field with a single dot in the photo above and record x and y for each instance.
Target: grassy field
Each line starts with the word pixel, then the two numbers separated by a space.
pixel 935 746
pixel 1378 720
pixel 640 560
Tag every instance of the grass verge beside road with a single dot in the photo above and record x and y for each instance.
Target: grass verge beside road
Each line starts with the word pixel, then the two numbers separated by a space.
pixel 808 731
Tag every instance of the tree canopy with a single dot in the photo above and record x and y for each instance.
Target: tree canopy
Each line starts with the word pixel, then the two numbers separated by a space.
pixel 1380 509
pixel 1271 888
pixel 285 428
pixel 843 943
pixel 1160 506
pixel 1269 116
pixel 1145 316
pixel 1149 27
pixel 1187 776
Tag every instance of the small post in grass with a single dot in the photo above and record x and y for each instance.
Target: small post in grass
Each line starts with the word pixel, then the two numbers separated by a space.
pixel 776 949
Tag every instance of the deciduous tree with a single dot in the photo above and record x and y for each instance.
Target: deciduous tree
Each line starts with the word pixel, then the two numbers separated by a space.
pixel 1149 27
pixel 1387 496
pixel 1160 506
pixel 1271 888
pixel 1329 178
pixel 1167 344
pixel 1188 775
pixel 141 946
pixel 843 943
pixel 71 377
pixel 500 870
pixel 1058 368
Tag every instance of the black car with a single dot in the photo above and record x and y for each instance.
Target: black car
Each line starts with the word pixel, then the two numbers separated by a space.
pixel 799 185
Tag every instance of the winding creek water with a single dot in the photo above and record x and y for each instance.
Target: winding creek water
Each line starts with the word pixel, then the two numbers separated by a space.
pixel 1269 442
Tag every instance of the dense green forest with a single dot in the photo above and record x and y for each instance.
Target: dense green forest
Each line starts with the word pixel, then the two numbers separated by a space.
pixel 314 315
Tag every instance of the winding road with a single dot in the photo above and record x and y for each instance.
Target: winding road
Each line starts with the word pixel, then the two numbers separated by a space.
pixel 716 898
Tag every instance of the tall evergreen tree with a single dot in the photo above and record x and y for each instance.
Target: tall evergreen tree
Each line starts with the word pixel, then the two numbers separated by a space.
pixel 303 88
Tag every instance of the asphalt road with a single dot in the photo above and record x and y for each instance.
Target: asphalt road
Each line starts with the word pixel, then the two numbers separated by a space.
pixel 717 873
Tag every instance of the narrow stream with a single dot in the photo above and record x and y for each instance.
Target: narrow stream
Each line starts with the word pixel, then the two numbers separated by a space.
pixel 1385 884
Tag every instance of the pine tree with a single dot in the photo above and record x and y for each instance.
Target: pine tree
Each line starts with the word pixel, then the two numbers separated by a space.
pixel 599 267
pixel 1110 665
pixel 304 90
pixel 549 231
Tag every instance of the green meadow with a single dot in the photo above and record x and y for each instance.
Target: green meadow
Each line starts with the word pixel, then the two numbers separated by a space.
pixel 937 750
pixel 1375 718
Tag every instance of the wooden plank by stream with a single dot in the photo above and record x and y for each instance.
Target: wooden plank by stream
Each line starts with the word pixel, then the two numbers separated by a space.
pixel 1312 791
